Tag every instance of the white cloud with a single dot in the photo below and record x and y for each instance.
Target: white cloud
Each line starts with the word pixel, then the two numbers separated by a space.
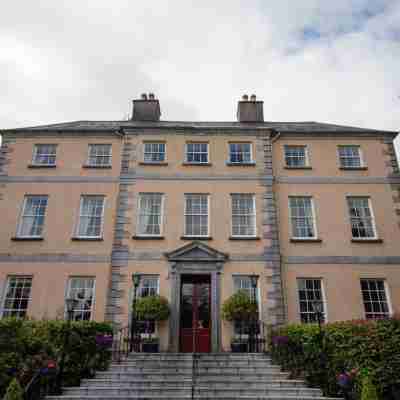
pixel 308 60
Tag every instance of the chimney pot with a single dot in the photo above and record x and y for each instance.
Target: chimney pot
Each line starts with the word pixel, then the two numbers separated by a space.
pixel 250 111
pixel 146 108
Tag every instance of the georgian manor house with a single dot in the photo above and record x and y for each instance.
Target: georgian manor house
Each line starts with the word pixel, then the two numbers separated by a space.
pixel 312 210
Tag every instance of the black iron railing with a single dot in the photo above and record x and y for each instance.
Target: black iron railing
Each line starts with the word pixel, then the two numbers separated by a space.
pixel 42 384
pixel 249 336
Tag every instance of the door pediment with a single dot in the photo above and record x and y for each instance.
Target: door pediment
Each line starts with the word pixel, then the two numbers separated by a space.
pixel 196 251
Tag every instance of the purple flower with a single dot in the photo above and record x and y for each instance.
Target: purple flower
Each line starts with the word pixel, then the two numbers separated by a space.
pixel 104 340
pixel 280 340
pixel 343 380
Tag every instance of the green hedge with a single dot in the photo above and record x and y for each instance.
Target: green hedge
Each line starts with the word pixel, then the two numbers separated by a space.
pixel 28 345
pixel 369 347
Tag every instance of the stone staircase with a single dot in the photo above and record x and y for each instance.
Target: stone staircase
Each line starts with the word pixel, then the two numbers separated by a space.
pixel 172 376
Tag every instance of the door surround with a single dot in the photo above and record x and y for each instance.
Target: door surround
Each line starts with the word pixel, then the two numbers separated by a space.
pixel 195 258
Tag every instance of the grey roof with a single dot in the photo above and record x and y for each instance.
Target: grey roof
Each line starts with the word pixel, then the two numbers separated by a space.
pixel 300 127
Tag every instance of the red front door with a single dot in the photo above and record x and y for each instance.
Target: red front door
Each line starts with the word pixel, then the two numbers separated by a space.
pixel 195 314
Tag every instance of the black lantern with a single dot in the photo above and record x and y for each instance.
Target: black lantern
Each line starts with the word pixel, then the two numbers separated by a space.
pixel 136 282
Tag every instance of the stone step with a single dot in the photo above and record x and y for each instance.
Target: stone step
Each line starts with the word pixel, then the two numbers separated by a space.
pixel 201 362
pixel 156 391
pixel 172 382
pixel 188 374
pixel 188 396
pixel 249 370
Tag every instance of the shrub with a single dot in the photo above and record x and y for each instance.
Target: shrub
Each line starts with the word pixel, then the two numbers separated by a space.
pixel 344 346
pixel 27 345
pixel 152 308
pixel 368 391
pixel 239 307
pixel 14 391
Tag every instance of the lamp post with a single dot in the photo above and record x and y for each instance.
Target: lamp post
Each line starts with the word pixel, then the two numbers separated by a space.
pixel 253 282
pixel 70 305
pixel 318 308
pixel 136 283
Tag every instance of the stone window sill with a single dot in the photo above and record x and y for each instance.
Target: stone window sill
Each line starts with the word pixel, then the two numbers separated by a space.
pixel 304 167
pixel 87 166
pixel 244 238
pixel 153 237
pixel 159 163
pixel 366 240
pixel 208 164
pixel 26 239
pixel 87 239
pixel 243 164
pixel 196 238
pixel 37 166
pixel 316 240
pixel 353 168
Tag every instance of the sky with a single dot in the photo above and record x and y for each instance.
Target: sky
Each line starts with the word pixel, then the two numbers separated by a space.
pixel 309 60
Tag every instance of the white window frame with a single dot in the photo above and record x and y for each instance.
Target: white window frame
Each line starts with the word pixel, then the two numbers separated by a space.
pixel 22 216
pixel 306 155
pixel 254 215
pixel 197 162
pixel 67 295
pixel 89 164
pixel 323 298
pixel 208 214
pixel 387 294
pixel 360 155
pixel 314 217
pixel 251 161
pixel 77 235
pixel 161 214
pixel 35 153
pixel 6 288
pixel 376 236
pixel 151 142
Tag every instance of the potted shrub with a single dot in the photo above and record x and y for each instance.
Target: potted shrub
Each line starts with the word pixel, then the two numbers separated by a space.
pixel 239 308
pixel 151 309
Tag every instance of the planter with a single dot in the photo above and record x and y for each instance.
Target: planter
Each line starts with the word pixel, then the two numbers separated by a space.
pixel 239 347
pixel 150 348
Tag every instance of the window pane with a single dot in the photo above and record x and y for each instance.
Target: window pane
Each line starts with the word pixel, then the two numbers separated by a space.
pixel 362 224
pixel 240 152
pixel 99 154
pixel 149 215
pixel 17 296
pixel 82 290
pixel 33 216
pixel 302 217
pixel 375 299
pixel 243 215
pixel 349 156
pixel 196 215
pixel 91 216
pixel 154 152
pixel 309 291
pixel 295 156
pixel 44 154
pixel 197 152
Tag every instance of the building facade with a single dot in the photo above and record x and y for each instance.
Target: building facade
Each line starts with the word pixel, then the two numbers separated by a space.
pixel 311 210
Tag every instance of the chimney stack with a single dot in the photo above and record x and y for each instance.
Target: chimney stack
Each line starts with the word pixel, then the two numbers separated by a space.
pixel 250 110
pixel 147 108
